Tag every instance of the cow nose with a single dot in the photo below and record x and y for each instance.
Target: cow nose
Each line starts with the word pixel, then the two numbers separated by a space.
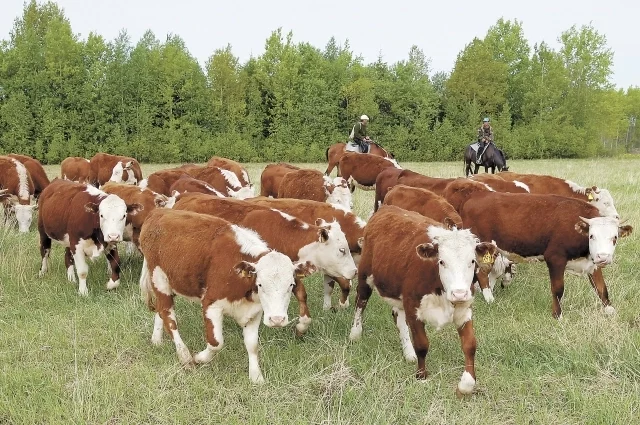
pixel 603 259
pixel 354 273
pixel 277 321
pixel 459 295
pixel 114 237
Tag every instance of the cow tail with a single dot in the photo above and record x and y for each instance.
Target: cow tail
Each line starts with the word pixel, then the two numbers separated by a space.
pixel 146 291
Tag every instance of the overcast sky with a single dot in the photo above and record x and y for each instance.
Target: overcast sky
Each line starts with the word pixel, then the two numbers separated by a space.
pixel 441 29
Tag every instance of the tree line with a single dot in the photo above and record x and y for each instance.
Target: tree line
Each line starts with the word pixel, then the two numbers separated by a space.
pixel 65 96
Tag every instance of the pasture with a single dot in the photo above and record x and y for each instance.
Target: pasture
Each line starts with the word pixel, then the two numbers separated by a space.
pixel 67 359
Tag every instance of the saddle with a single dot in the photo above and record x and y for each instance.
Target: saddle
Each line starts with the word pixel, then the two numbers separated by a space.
pixel 353 146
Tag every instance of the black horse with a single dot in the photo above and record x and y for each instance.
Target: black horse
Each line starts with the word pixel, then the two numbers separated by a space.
pixel 492 157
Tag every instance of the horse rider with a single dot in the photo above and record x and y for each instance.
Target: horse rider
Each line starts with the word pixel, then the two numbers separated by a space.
pixel 359 134
pixel 485 136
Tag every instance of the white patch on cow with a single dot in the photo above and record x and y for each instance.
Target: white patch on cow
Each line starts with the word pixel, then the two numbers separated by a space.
pixel 275 282
pixel 603 231
pixel 143 184
pixel 71 274
pixel 245 176
pixel 23 182
pixel 215 315
pixel 488 295
pixel 112 284
pixel 161 281
pixel 522 185
pixel 603 201
pixel 249 241
pixel 82 268
pixel 576 187
pixel 303 324
pixel 113 215
pixel 581 267
pixel 393 161
pixel 250 335
pixel 467 383
pixel 24 216
pixel 215 192
pixel 45 263
pixel 488 187
pixel 333 255
pixel 284 214
pixel 230 177
pixel 117 172
pixel 87 160
pixel 156 336
pixel 93 191
pixel 340 197
pixel 370 281
pixel 360 222
pixel 184 356
pixel 499 270
pixel 242 193
pixel 356 328
pixel 437 311
pixel 405 336
pixel 89 248
pixel 609 310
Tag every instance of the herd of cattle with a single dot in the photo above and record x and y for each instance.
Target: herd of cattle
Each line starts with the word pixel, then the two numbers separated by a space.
pixel 428 242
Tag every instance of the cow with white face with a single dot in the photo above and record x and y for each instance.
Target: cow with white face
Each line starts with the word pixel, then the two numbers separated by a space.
pixel 245 192
pixel 87 222
pixel 603 235
pixel 118 173
pixel 248 279
pixel 338 193
pixel 425 273
pixel 15 179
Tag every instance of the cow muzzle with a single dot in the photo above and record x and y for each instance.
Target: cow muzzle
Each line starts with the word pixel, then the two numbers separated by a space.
pixel 277 321
pixel 602 260
pixel 114 237
pixel 459 296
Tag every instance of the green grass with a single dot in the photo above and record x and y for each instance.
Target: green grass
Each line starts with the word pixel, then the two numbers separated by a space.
pixel 67 359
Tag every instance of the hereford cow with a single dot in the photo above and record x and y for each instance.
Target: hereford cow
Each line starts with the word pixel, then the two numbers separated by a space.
pixel 36 171
pixel 224 181
pixel 393 176
pixel 106 167
pixel 497 183
pixel 335 152
pixel 272 176
pixel 363 169
pixel 425 273
pixel 87 221
pixel 568 233
pixel 315 186
pixel 351 225
pixel 182 256
pixel 148 199
pixel 233 166
pixel 161 181
pixel 549 185
pixel 187 184
pixel 424 202
pixel 76 169
pixel 15 178
pixel 324 244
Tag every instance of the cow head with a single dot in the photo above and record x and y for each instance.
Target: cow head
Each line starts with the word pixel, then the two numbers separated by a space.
pixel 603 235
pixel 602 200
pixel 112 212
pixel 244 192
pixel 456 252
pixel 331 251
pixel 338 193
pixel 22 213
pixel 275 277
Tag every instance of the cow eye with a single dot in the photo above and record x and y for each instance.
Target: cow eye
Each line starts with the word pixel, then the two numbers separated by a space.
pixel 343 251
pixel 615 240
pixel 124 216
pixel 473 261
pixel 592 237
pixel 441 263
pixel 101 216
pixel 259 285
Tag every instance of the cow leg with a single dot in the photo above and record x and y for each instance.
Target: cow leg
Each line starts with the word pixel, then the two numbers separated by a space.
pixel 400 319
pixel 345 287
pixel 304 321
pixel 420 340
pixel 45 250
pixel 329 283
pixel 213 318
pixel 363 293
pixel 68 262
pixel 250 334
pixel 114 263
pixel 468 342
pixel 483 281
pixel 598 283
pixel 556 273
pixel 164 308
pixel 82 269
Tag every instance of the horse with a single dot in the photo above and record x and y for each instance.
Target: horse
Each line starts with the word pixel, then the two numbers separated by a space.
pixel 335 152
pixel 492 157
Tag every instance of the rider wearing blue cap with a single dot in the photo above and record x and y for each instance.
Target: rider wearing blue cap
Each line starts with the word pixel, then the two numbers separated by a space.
pixel 485 136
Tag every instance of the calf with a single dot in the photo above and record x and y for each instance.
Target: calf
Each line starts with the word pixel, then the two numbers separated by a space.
pixel 363 168
pixel 187 184
pixel 568 233
pixel 351 225
pixel 315 186
pixel 271 178
pixel 133 195
pixel 182 256
pixel 76 169
pixel 223 181
pixel 15 178
pixel 161 181
pixel 233 166
pixel 424 202
pixel 87 221
pixel 36 172
pixel 324 245
pixel 105 167
pixel 424 272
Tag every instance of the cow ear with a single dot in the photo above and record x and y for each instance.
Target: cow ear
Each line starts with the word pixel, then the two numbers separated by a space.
pixel 159 202
pixel 487 252
pixel 624 231
pixel 323 235
pixel 133 209
pixel 361 242
pixel 427 251
pixel 304 269
pixel 128 165
pixel 320 222
pixel 90 207
pixel 449 223
pixel 582 227
pixel 245 269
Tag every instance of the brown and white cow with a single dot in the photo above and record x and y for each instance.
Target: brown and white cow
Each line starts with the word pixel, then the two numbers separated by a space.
pixel 499 184
pixel 598 197
pixel 76 169
pixel 424 202
pixel 324 244
pixel 352 226
pixel 148 199
pixel 271 178
pixel 187 184
pixel 224 181
pixel 87 221
pixel 233 166
pixel 315 186
pixel 390 177
pixel 15 178
pixel 36 171
pixel 362 169
pixel 182 257
pixel 568 233
pixel 119 169
pixel 425 273
pixel 162 180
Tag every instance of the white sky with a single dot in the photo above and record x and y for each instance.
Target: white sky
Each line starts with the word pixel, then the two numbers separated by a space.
pixel 440 29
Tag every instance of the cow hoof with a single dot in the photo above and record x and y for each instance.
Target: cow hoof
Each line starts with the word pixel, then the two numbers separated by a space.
pixel 83 291
pixel 411 357
pixel 71 276
pixel 488 296
pixel 466 385
pixel 303 325
pixel 257 380
pixel 326 307
pixel 156 338
pixel 41 274
pixel 113 285
pixel 609 310
pixel 345 305
pixel 421 375
pixel 355 334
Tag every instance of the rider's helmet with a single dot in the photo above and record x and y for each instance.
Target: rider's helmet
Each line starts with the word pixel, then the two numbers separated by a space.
pixel 364 117
pixel 485 119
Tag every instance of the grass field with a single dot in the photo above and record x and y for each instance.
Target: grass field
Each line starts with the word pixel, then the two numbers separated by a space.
pixel 67 359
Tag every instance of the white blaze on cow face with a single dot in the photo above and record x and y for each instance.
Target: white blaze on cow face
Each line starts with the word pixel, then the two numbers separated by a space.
pixel 331 251
pixel 340 197
pixel 24 216
pixel 455 251
pixel 116 173
pixel 274 277
pixel 113 215
pixel 242 193
pixel 603 235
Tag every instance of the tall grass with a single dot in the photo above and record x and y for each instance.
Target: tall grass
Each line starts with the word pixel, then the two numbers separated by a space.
pixel 67 359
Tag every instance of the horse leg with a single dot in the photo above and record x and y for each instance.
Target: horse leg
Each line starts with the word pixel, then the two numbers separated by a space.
pixel 477 166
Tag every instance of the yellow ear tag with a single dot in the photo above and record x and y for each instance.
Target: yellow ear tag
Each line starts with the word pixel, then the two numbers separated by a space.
pixel 487 259
pixel 244 273
pixel 590 196
pixel 300 276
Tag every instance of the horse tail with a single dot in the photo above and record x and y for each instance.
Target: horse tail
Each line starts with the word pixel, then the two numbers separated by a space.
pixel 326 153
